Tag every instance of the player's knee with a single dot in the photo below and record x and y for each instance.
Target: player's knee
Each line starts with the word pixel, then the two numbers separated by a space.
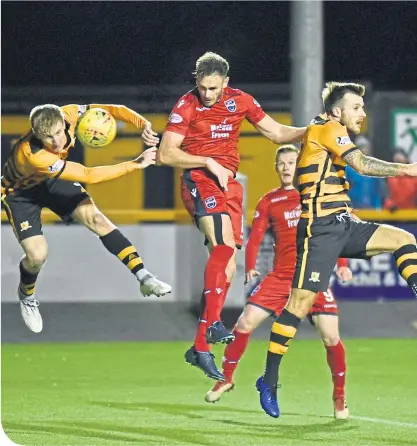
pixel 245 324
pixel 409 239
pixel 37 257
pixel 330 339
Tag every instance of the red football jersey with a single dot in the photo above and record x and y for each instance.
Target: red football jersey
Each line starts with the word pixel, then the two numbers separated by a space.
pixel 279 210
pixel 214 131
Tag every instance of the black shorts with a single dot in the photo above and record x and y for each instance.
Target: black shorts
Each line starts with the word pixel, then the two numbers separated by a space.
pixel 23 207
pixel 321 241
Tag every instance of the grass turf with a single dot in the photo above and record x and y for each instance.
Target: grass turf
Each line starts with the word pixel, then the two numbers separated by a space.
pixel 143 393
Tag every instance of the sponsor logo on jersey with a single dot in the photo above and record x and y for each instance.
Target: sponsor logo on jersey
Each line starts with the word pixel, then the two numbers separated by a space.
pixel 230 105
pixel 274 200
pixel 57 166
pixel 175 118
pixel 221 130
pixel 343 140
pixel 210 202
pixel 81 109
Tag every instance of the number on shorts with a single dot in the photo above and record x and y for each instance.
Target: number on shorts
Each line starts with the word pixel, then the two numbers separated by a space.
pixel 328 295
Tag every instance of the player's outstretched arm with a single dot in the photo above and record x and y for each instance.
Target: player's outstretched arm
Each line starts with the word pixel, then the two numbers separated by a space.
pixel 71 171
pixel 373 167
pixel 279 133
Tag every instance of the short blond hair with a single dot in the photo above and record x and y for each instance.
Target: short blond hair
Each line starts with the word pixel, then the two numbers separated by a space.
pixel 209 64
pixel 44 117
pixel 333 92
pixel 286 148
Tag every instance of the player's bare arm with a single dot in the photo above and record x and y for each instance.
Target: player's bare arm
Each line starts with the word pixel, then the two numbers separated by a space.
pixel 279 133
pixel 373 167
pixel 171 154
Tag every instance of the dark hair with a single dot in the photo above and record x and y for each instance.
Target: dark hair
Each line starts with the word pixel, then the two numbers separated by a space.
pixel 209 64
pixel 335 91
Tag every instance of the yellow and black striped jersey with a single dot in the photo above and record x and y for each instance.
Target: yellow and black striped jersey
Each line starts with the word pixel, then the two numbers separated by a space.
pixel 320 175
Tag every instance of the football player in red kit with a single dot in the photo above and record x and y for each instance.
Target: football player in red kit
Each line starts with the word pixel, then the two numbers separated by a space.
pixel 280 210
pixel 202 138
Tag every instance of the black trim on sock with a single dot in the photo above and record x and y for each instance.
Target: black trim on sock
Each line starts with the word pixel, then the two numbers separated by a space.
pixel 406 249
pixel 409 262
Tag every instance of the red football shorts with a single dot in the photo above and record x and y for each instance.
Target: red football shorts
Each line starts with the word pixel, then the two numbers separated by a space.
pixel 202 196
pixel 272 295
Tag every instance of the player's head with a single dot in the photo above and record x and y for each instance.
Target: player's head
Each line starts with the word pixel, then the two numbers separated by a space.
pixel 211 73
pixel 48 124
pixel 285 164
pixel 343 102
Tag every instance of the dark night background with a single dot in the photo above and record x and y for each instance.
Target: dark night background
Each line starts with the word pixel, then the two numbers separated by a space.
pixel 158 42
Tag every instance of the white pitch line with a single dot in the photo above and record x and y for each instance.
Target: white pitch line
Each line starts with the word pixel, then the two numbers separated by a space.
pixel 381 421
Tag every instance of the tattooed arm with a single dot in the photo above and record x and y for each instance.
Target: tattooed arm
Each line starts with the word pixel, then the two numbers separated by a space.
pixel 373 167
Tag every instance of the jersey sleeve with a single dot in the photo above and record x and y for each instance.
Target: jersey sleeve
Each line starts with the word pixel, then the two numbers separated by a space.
pixel 72 112
pixel 334 137
pixel 254 111
pixel 342 263
pixel 180 118
pixel 93 175
pixel 260 224
pixel 51 165
pixel 123 113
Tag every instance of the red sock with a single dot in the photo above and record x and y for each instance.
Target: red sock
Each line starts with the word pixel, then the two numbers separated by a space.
pixel 220 302
pixel 233 352
pixel 215 281
pixel 337 364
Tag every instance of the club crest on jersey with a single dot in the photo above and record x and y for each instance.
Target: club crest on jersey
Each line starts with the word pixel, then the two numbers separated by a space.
pixel 230 105
pixel 210 202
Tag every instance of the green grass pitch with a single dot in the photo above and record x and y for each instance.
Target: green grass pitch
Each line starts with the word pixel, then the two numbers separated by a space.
pixel 144 393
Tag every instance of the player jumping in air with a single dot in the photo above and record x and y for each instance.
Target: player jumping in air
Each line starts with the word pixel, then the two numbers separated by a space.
pixel 37 175
pixel 202 138
pixel 327 230
pixel 280 210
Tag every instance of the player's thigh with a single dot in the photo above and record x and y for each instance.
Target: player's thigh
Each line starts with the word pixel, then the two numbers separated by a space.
pixel 300 301
pixel 251 317
pixel 87 214
pixel 63 197
pixel 319 243
pixel 24 214
pixel 388 238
